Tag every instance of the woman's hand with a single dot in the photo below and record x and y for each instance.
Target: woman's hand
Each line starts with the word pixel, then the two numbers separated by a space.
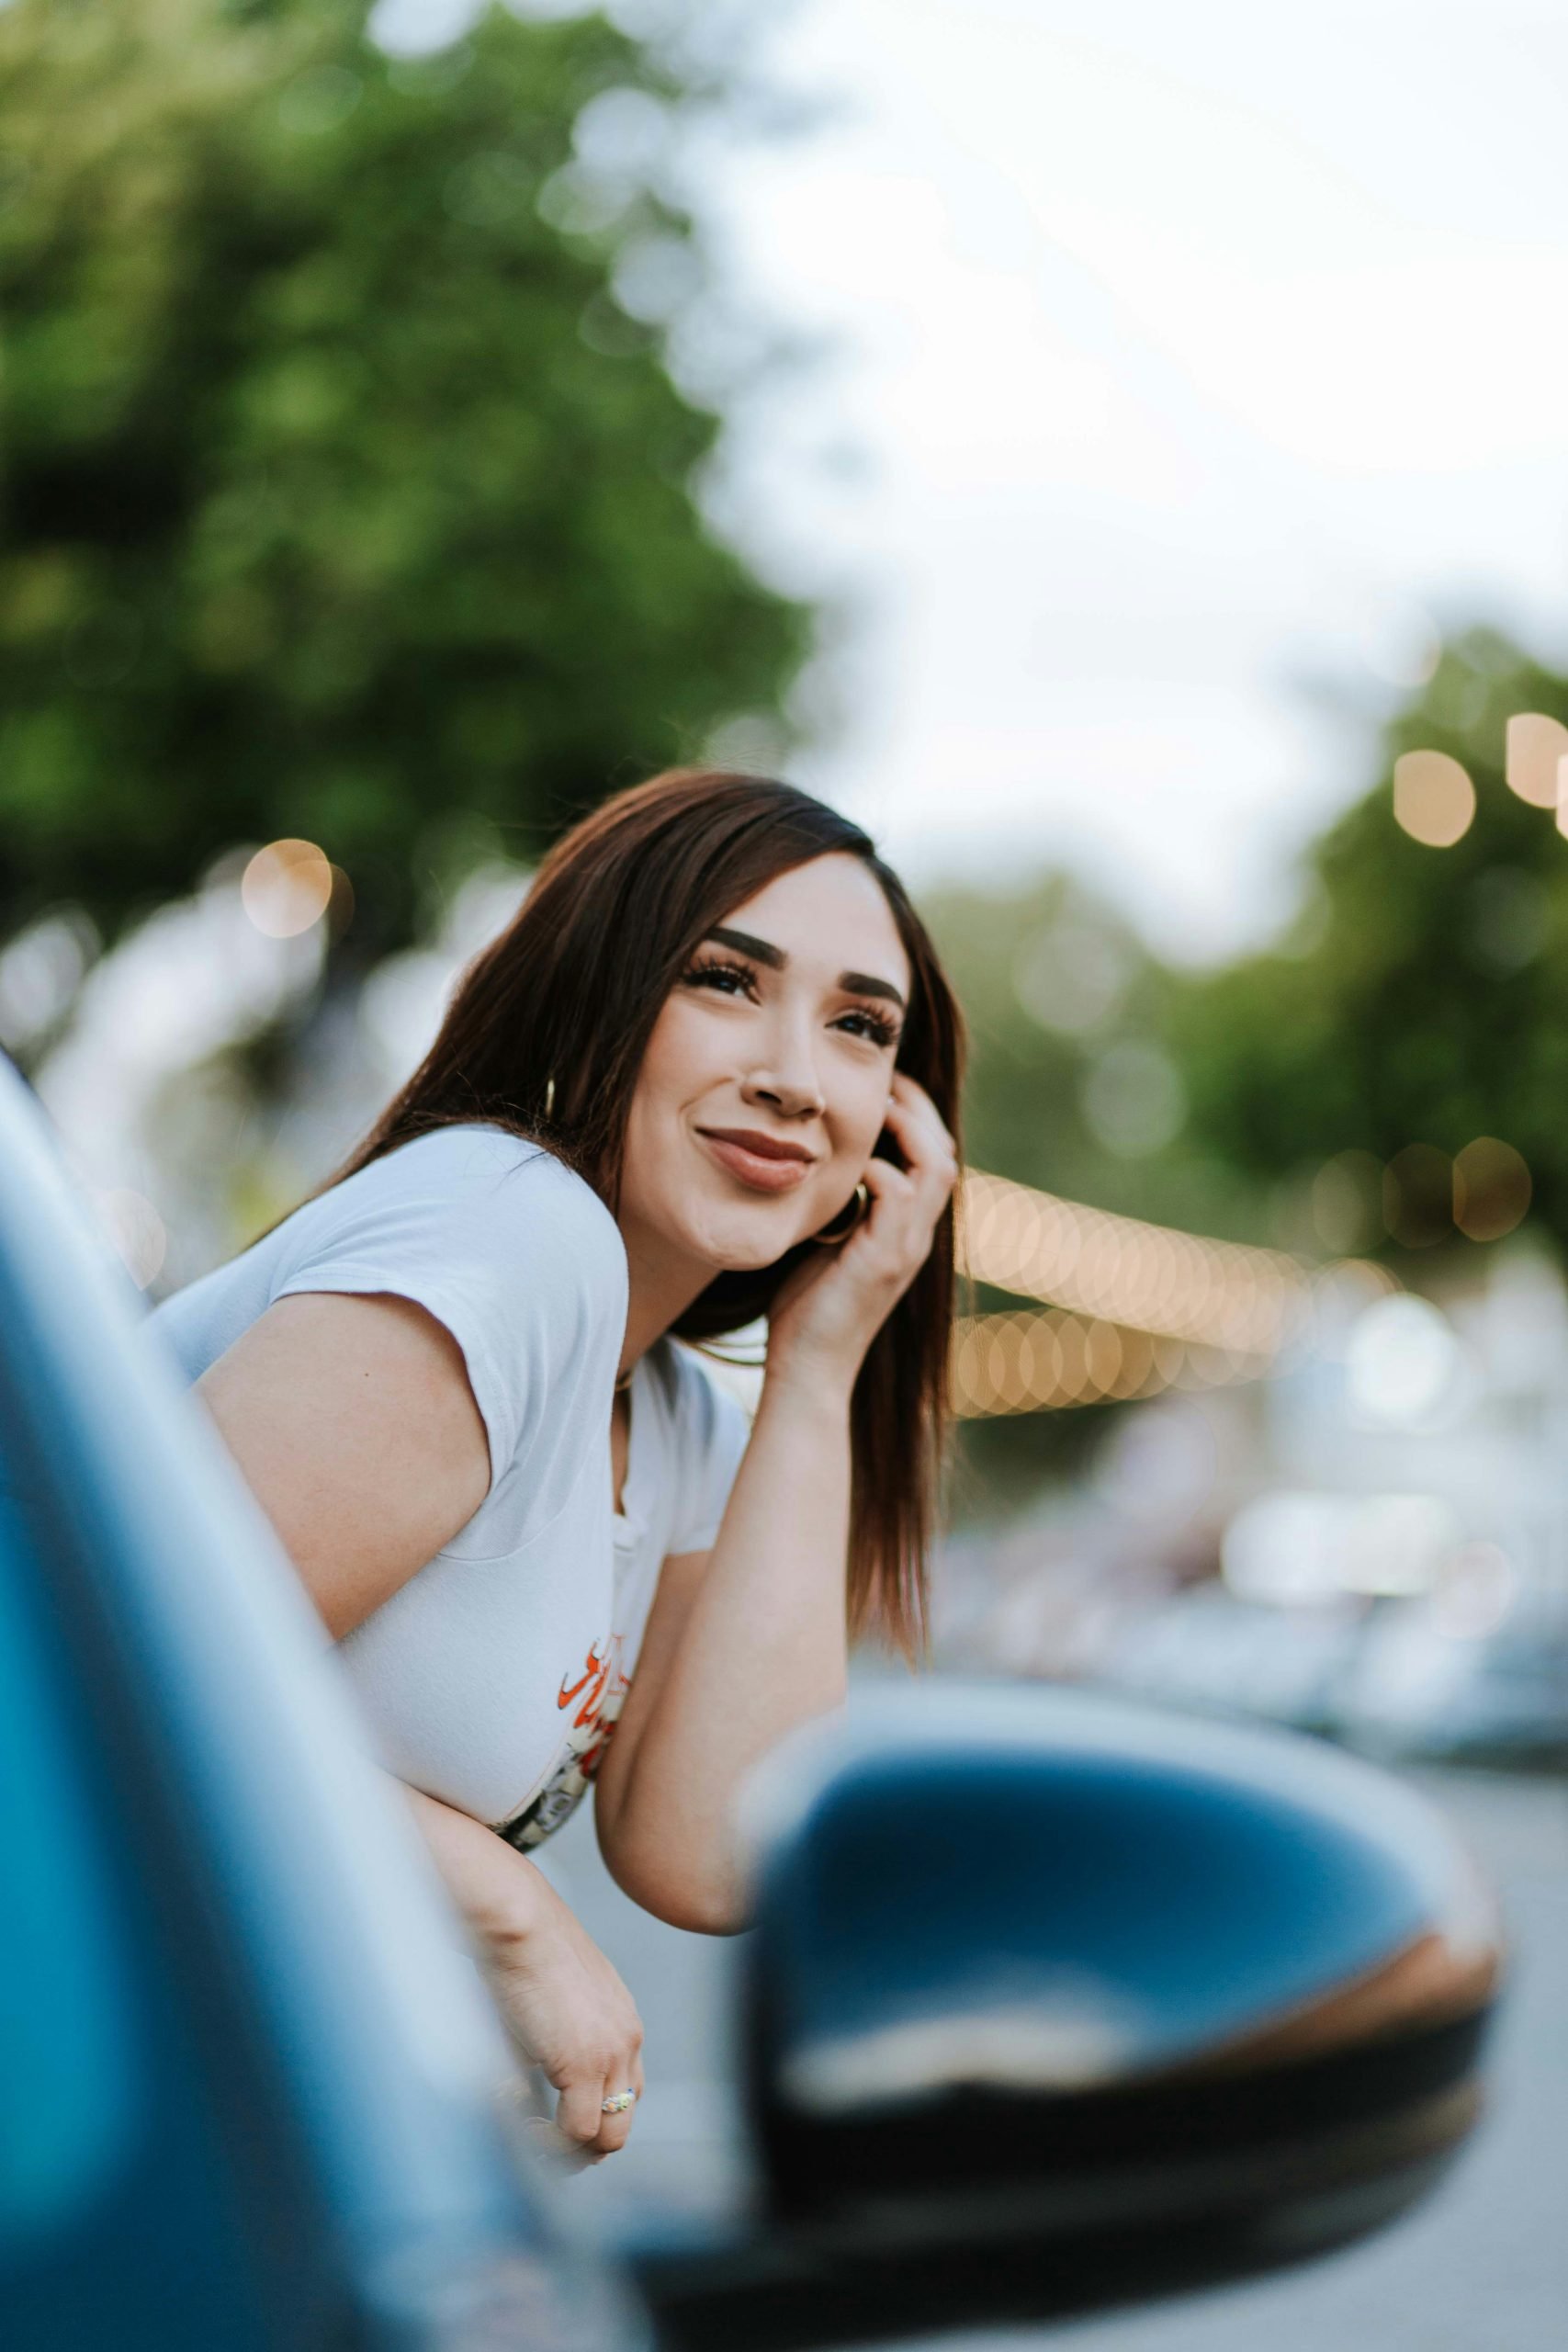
pixel 828 1309
pixel 561 2001
pixel 570 2015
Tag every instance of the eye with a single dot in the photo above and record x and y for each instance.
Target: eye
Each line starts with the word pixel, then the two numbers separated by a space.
pixel 879 1027
pixel 734 979
pixel 729 980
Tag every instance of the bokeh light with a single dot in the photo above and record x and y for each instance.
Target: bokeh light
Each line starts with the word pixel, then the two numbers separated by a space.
pixel 1534 744
pixel 1307 1549
pixel 1046 1360
pixel 1034 1362
pixel 1133 1100
pixel 288 887
pixel 1117 1269
pixel 1492 1189
pixel 1418 1196
pixel 1399 1546
pixel 1477 1593
pixel 1510 912
pixel 1402 1363
pixel 1285 1549
pixel 41 972
pixel 1071 975
pixel 1346 1203
pixel 1434 799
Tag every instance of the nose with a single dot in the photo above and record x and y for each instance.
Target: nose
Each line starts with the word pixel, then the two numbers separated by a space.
pixel 787 1079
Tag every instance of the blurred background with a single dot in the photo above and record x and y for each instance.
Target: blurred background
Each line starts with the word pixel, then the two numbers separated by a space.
pixel 1114 453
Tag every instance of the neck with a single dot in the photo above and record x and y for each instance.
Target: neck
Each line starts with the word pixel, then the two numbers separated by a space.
pixel 661 1285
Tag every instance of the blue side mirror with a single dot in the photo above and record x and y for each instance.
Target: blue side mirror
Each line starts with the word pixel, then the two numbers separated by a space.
pixel 1054 2003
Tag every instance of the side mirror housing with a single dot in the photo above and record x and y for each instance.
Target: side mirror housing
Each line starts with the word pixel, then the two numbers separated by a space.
pixel 1053 2002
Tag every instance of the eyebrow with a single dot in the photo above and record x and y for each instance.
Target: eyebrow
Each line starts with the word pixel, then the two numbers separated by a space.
pixel 763 952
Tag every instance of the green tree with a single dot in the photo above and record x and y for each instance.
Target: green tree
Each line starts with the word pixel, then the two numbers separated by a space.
pixel 1072 1086
pixel 344 489
pixel 1424 1000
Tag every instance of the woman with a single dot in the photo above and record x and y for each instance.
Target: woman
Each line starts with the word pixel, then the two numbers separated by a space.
pixel 709 1072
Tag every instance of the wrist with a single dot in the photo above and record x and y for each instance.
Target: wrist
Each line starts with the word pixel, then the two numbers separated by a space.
pixel 503 1896
pixel 515 1904
pixel 812 1388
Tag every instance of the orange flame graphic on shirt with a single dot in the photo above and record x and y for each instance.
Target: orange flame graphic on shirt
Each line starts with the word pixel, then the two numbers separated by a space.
pixel 597 1668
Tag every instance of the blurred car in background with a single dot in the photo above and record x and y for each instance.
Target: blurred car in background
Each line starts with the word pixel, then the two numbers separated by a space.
pixel 1396 1678
pixel 1413 1689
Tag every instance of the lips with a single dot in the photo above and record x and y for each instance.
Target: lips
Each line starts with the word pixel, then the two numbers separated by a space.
pixel 766 1162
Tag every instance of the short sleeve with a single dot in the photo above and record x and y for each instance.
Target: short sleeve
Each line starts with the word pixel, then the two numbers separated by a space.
pixel 507 1247
pixel 713 1432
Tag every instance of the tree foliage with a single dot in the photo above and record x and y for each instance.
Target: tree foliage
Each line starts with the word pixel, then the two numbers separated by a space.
pixel 1072 1085
pixel 344 491
pixel 1425 1002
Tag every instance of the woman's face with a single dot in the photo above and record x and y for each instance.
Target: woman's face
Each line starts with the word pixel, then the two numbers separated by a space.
pixel 765 1082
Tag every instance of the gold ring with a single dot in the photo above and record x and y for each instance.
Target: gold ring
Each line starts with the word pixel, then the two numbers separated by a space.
pixel 851 1214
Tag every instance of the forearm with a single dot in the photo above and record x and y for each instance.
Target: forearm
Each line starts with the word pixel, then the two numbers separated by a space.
pixel 764 1649
pixel 561 2001
pixel 498 1890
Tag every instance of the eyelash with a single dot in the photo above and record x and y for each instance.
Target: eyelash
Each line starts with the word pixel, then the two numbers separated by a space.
pixel 879 1029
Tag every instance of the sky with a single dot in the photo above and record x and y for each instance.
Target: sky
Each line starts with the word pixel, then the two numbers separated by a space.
pixel 1179 377
pixel 1186 373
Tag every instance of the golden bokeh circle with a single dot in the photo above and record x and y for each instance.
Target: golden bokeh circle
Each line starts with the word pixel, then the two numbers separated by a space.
pixel 286 888
pixel 1434 799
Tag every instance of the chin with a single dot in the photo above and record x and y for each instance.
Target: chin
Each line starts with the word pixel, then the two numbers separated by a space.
pixel 739 1238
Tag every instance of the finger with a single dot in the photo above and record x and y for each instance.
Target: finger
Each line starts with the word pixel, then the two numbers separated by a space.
pixel 894 1214
pixel 919 1129
pixel 886 1183
pixel 579 2113
pixel 615 2130
pixel 928 1149
pixel 908 1092
pixel 925 1127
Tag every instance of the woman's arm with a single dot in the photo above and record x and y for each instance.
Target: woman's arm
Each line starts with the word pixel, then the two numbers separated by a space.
pixel 354 1425
pixel 742 1645
pixel 740 1652
pixel 353 1422
pixel 568 2011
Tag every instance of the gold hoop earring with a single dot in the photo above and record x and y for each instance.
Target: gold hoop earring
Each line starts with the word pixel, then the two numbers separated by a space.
pixel 550 1098
pixel 835 1233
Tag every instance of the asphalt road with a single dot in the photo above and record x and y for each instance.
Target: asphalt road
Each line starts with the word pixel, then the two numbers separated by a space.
pixel 1483 2268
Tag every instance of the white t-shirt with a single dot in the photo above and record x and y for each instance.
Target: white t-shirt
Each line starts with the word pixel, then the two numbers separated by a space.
pixel 493 1678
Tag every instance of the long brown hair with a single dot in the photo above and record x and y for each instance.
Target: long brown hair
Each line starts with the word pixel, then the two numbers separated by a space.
pixel 569 991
